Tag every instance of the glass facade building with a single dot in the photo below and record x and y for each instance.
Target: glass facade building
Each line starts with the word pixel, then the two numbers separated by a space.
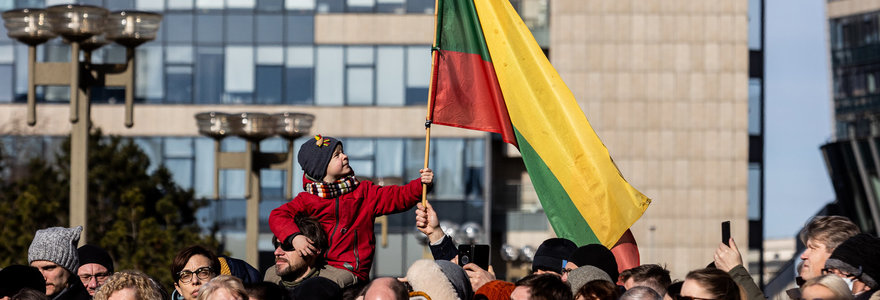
pixel 855 70
pixel 249 53
pixel 674 91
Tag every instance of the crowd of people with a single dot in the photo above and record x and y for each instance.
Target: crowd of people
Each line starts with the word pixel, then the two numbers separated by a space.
pixel 324 247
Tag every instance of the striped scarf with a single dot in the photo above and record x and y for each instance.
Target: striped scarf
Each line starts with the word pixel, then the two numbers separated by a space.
pixel 334 189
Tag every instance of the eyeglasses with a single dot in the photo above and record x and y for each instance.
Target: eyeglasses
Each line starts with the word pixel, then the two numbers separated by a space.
pixel 838 272
pixel 284 246
pixel 203 273
pixel 100 277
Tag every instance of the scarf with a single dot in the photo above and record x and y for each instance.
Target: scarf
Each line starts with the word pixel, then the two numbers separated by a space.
pixel 333 189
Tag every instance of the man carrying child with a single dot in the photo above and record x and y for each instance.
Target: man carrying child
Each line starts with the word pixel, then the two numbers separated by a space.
pixel 345 207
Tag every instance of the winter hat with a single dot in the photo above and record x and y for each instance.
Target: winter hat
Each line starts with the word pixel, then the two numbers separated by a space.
pixel 56 244
pixel 496 290
pixel 577 278
pixel 315 154
pixel 858 256
pixel 598 256
pixel 14 278
pixel 428 276
pixel 552 255
pixel 90 254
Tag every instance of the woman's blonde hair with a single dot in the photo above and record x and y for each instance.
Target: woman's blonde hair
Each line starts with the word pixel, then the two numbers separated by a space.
pixel 833 283
pixel 230 283
pixel 145 287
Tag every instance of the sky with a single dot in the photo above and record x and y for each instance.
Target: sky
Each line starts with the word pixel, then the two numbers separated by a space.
pixel 797 114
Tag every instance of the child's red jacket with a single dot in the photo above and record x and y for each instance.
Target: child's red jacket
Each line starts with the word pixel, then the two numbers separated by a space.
pixel 348 220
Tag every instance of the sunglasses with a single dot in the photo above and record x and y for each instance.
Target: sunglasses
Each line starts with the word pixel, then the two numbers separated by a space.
pixel 680 297
pixel 284 246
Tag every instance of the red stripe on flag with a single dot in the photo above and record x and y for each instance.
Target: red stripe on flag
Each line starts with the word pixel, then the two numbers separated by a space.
pixel 467 95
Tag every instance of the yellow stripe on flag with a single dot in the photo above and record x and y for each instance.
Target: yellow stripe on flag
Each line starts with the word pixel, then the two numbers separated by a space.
pixel 544 111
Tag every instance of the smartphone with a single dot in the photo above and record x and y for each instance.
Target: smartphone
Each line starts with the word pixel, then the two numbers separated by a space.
pixel 725 233
pixel 477 254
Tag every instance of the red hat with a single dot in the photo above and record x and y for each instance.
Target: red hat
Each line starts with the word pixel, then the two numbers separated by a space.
pixel 495 289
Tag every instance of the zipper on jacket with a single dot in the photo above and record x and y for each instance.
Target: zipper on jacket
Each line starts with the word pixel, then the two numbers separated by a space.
pixel 357 259
pixel 333 232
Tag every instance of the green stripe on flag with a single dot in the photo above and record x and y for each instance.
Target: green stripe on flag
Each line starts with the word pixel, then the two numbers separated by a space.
pixel 460 29
pixel 565 218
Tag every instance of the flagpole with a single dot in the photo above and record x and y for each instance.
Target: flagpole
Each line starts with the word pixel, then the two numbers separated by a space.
pixel 433 85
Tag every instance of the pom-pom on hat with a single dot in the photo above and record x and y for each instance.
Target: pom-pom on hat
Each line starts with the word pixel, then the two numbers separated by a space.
pixel 315 154
pixel 56 244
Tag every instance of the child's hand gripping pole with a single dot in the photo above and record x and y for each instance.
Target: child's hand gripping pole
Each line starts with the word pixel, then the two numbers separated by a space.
pixel 427 177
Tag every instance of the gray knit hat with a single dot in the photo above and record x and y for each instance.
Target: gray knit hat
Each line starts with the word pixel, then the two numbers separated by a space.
pixel 583 275
pixel 56 244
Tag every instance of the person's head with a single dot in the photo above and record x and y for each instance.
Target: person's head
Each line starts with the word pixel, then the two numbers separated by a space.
pixel 323 159
pixel 855 261
pixel 53 252
pixel 130 285
pixel 95 266
pixel 265 290
pixel 494 290
pixel 649 275
pixel 15 278
pixel 579 277
pixel 552 255
pixel 29 294
pixel 289 263
pixel 821 235
pixel 592 255
pixel 191 268
pixel 640 293
pixel 673 290
pixel 440 279
pixel 541 287
pixel 598 290
pixel 825 287
pixel 710 284
pixel 385 288
pixel 223 287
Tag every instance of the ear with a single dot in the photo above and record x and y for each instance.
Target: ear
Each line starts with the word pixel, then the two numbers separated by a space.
pixel 177 288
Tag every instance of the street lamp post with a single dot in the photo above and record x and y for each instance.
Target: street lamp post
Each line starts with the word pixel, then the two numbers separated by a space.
pixel 85 28
pixel 253 127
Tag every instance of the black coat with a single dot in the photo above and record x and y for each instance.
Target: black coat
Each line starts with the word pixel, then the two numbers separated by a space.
pixel 74 291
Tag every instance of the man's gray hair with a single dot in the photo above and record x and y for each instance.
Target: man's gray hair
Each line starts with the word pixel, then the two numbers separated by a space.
pixel 641 293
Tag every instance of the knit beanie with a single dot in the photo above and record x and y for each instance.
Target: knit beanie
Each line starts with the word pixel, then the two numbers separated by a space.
pixel 496 290
pixel 14 278
pixel 440 279
pixel 90 254
pixel 858 256
pixel 551 255
pixel 596 255
pixel 577 278
pixel 56 244
pixel 314 156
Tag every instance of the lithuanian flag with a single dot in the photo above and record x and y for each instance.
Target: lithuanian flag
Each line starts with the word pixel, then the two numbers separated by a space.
pixel 490 74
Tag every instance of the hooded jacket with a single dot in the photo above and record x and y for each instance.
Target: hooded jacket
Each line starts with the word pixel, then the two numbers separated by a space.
pixel 348 220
